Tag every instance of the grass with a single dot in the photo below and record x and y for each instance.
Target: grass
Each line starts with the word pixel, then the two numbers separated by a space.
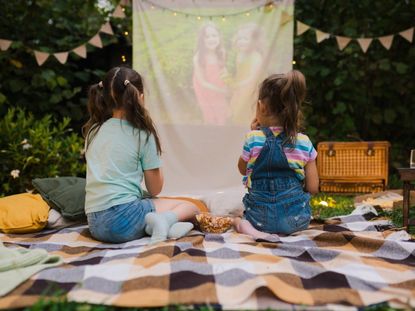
pixel 323 206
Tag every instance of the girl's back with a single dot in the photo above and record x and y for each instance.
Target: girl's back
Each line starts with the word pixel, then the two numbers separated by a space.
pixel 117 157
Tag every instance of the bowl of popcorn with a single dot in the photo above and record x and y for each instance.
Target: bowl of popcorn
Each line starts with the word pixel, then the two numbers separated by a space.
pixel 213 223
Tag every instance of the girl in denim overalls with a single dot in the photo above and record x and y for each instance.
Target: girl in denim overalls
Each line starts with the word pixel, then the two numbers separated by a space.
pixel 278 162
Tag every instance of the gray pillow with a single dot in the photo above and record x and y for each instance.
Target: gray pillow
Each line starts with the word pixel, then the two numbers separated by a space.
pixel 65 194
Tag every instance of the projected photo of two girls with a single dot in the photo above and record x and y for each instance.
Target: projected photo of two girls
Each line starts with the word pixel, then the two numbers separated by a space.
pixel 226 74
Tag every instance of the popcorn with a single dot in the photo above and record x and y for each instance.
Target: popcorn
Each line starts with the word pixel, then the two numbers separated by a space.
pixel 213 224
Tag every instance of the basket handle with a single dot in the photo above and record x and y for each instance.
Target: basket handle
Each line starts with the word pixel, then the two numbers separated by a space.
pixel 370 149
pixel 331 152
pixel 370 152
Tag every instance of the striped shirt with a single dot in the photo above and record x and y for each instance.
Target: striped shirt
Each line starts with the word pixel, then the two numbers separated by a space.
pixel 298 156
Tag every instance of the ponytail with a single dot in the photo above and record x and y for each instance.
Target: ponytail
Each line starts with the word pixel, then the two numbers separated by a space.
pixel 137 114
pixel 284 95
pixel 98 113
pixel 120 89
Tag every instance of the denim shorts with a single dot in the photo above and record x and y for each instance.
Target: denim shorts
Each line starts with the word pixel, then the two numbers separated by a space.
pixel 120 223
pixel 278 214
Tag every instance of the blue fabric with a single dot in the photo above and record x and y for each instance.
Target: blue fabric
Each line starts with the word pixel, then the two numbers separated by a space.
pixel 120 223
pixel 276 202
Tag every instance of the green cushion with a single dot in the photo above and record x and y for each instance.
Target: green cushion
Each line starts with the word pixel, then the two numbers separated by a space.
pixel 65 194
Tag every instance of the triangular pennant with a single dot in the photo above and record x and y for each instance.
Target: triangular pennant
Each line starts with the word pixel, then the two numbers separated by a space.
pixel 61 57
pixel 5 44
pixel 106 28
pixel 41 57
pixel 364 43
pixel 96 41
pixel 80 50
pixel 118 12
pixel 301 28
pixel 321 35
pixel 408 34
pixel 386 41
pixel 342 42
pixel 285 18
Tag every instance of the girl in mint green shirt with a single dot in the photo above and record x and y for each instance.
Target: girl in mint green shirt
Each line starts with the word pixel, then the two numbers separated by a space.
pixel 122 150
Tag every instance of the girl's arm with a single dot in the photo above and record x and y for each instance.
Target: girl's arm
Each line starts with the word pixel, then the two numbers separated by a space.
pixel 311 177
pixel 242 166
pixel 154 181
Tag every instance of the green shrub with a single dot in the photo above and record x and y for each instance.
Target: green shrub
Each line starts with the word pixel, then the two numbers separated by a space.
pixel 32 148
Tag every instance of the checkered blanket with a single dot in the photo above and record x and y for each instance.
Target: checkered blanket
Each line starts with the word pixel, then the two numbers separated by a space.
pixel 348 260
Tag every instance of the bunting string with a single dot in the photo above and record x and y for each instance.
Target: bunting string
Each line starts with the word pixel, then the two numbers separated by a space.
pixel 81 50
pixel 364 42
pixel 342 41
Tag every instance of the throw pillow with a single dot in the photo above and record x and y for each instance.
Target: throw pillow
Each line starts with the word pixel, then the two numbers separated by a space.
pixel 65 194
pixel 22 213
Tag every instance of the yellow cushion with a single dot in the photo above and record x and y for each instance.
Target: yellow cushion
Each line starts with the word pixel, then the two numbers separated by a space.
pixel 22 213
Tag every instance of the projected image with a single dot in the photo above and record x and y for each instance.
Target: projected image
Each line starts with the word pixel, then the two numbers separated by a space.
pixel 206 71
pixel 209 73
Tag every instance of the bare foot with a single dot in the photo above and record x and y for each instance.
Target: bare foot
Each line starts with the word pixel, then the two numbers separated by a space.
pixel 245 227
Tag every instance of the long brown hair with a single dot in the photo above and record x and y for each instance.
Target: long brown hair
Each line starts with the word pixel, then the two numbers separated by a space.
pixel 201 46
pixel 120 89
pixel 284 95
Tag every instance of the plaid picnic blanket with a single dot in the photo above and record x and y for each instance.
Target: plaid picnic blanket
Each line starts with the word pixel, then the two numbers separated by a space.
pixel 348 261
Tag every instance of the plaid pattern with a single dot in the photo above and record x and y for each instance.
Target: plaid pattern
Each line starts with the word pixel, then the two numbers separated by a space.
pixel 345 261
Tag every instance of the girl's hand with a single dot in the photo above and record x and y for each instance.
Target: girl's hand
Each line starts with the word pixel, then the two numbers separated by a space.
pixel 255 124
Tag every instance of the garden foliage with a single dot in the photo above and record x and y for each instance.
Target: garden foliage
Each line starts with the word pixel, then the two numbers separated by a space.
pixel 36 148
pixel 357 95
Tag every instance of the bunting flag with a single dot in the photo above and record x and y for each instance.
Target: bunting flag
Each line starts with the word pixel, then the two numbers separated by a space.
pixel 301 28
pixel 364 43
pixel 321 36
pixel 61 57
pixel 408 34
pixel 106 28
pixel 118 12
pixel 342 42
pixel 386 41
pixel 41 57
pixel 96 41
pixel 5 44
pixel 80 51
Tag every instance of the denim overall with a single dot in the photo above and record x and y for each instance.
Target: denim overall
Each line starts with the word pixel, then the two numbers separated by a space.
pixel 276 201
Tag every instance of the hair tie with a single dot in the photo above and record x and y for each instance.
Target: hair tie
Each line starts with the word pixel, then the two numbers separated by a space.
pixel 100 84
pixel 126 82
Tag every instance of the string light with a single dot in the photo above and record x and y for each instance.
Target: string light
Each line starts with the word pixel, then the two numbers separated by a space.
pixel 126 33
pixel 123 58
pixel 294 62
pixel 268 6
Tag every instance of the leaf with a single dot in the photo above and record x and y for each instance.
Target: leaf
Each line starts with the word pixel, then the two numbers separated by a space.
pixel 389 116
pixel 401 68
pixel 2 98
pixel 61 81
pixel 340 108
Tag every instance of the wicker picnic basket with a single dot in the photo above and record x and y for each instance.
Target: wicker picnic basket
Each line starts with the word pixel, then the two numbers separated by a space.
pixel 353 167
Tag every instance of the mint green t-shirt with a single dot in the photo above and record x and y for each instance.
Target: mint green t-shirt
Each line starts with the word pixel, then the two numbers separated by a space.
pixel 116 159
